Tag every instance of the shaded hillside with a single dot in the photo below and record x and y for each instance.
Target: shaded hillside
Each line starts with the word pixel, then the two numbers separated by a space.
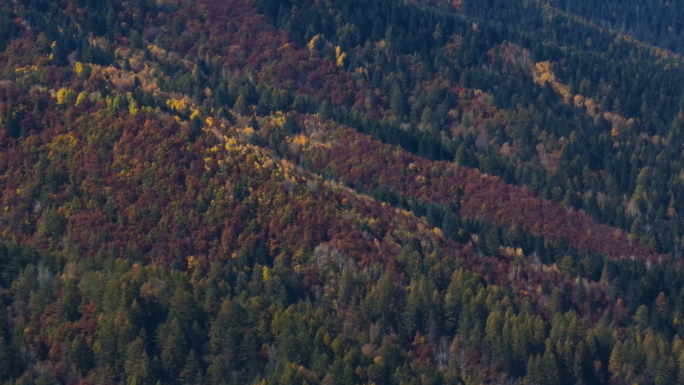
pixel 342 192
pixel 657 22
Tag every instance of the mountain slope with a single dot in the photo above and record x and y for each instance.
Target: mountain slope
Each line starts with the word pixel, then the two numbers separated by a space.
pixel 342 192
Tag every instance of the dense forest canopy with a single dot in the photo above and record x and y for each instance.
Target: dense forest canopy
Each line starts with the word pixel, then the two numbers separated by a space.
pixel 341 192
pixel 656 22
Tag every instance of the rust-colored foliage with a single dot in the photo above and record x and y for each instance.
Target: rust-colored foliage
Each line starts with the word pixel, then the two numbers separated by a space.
pixel 356 157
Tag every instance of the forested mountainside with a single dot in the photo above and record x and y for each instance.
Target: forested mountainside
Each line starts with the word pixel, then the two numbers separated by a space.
pixel 341 192
pixel 657 22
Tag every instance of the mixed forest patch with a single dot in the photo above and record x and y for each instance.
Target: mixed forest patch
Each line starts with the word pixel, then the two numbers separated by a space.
pixel 339 192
